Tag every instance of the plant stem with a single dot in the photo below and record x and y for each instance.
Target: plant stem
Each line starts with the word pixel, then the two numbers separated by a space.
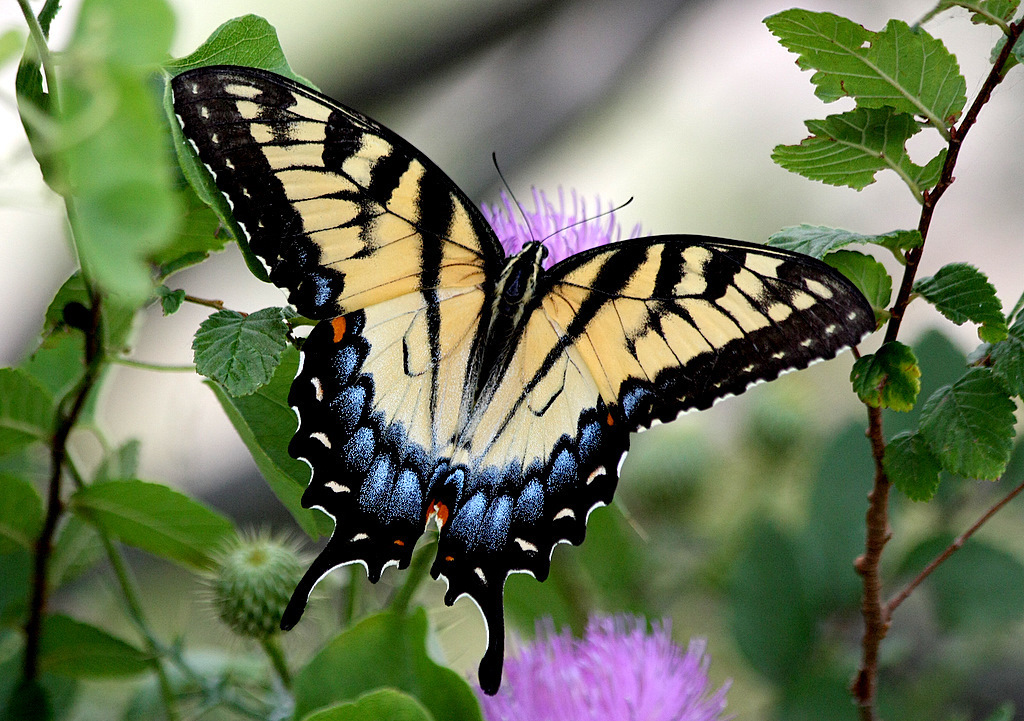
pixel 272 646
pixel 68 412
pixel 142 365
pixel 876 622
pixel 131 597
pixel 413 577
pixel 955 546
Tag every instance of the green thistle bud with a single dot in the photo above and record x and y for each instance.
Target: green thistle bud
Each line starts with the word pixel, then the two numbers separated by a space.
pixel 255 577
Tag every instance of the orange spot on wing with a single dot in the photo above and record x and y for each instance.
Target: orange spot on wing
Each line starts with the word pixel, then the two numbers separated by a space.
pixel 611 421
pixel 399 542
pixel 439 511
pixel 339 328
pixel 449 558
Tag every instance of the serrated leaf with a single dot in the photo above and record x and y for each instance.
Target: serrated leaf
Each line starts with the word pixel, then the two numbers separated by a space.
pixel 900 67
pixel 870 276
pixel 170 300
pixel 987 12
pixel 80 650
pixel 26 410
pixel 21 513
pixel 978 587
pixel 818 241
pixel 1008 359
pixel 911 466
pixel 154 518
pixel 265 423
pixel 888 378
pixel 962 293
pixel 78 549
pixel 850 148
pixel 240 352
pixel 969 425
pixel 384 649
pixel 386 703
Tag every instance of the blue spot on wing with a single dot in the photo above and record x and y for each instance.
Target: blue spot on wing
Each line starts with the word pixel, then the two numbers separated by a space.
pixel 530 503
pixel 467 520
pixel 494 529
pixel 406 501
pixel 378 483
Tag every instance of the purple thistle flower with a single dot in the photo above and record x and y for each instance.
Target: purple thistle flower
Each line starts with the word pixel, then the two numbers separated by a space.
pixel 618 671
pixel 566 228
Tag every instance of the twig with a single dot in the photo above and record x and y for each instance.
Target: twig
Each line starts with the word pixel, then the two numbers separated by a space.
pixel 66 420
pixel 218 304
pixel 955 546
pixel 876 622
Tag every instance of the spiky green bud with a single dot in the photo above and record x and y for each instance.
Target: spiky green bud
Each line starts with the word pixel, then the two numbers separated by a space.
pixel 255 578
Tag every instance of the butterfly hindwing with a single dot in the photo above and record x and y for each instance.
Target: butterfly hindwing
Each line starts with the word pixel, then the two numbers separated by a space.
pixel 326 197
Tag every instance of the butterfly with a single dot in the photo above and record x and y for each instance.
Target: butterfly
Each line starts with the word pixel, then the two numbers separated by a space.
pixel 447 382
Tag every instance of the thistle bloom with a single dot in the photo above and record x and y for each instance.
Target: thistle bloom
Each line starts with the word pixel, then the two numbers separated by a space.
pixel 566 227
pixel 618 671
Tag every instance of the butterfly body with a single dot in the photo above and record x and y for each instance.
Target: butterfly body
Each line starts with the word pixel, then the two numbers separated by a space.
pixel 444 381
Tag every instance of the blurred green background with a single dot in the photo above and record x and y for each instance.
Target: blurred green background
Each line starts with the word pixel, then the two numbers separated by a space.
pixel 741 523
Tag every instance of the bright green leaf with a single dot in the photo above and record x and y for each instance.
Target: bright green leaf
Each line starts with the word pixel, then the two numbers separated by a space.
pixel 912 467
pixel 79 650
pixel 386 649
pixel 988 12
pixel 900 67
pixel 26 410
pixel 121 462
pixel 117 320
pixel 978 586
pixel 770 620
pixel 154 518
pixel 379 705
pixel 888 378
pixel 21 513
pixel 199 234
pixel 818 241
pixel 241 352
pixel 969 425
pixel 265 422
pixel 962 293
pixel 1008 359
pixel 11 43
pixel 850 148
pixel 870 276
pixel 170 300
pixel 248 40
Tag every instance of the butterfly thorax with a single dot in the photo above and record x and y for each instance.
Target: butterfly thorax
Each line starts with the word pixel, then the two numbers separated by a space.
pixel 515 289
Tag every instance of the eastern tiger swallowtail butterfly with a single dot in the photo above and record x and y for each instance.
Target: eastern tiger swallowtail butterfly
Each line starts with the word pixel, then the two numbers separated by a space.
pixel 447 381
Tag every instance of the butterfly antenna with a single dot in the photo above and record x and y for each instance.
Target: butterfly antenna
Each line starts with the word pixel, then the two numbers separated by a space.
pixel 586 219
pixel 508 188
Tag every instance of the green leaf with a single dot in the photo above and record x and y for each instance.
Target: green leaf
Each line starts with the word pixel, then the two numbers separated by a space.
pixel 170 300
pixel 962 293
pixel 386 649
pixel 114 145
pixel 21 513
pixel 248 40
pixel 911 466
pixel 200 233
pixel 26 410
pixel 386 704
pixel 79 650
pixel 900 67
pixel 888 378
pixel 870 276
pixel 16 572
pixel 154 518
pixel 988 12
pixel 117 320
pixel 77 550
pixel 121 462
pixel 241 352
pixel 978 586
pixel 818 241
pixel 850 148
pixel 771 620
pixel 969 425
pixel 1008 359
pixel 265 422
pixel 11 43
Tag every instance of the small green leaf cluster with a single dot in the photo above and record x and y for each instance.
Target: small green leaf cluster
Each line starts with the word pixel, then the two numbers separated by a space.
pixel 903 81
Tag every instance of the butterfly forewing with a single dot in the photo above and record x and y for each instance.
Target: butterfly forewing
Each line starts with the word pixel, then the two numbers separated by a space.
pixel 343 212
